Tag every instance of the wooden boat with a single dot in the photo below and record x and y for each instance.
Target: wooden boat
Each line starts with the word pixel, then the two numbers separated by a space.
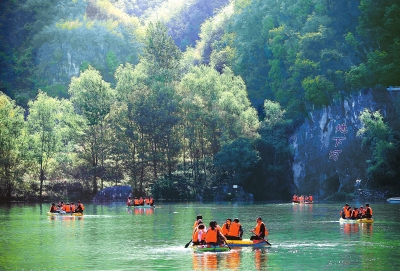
pixel 210 248
pixel 394 200
pixel 247 243
pixel 64 214
pixel 362 220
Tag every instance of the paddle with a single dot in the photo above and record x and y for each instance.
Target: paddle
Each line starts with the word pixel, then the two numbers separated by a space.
pixel 227 244
pixel 266 241
pixel 188 243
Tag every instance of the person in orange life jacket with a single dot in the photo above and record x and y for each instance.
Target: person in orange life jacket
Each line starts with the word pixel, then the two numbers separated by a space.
pixel 226 226
pixel 354 213
pixel 368 211
pixel 343 211
pixel 67 208
pixel 235 231
pixel 79 208
pixel 151 201
pixel 197 221
pixel 129 201
pixel 136 201
pixel 146 201
pixel 259 230
pixel 347 212
pixel 213 235
pixel 361 212
pixel 310 198
pixel 72 206
pixel 141 201
pixel 199 235
pixel 53 208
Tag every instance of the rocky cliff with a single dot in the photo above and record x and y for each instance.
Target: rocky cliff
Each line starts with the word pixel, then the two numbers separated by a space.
pixel 328 156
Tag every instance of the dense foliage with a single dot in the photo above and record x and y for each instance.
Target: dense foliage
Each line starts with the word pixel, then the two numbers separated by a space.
pixel 177 97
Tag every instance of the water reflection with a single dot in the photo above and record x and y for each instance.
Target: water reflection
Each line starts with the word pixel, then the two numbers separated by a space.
pixel 140 211
pixel 217 261
pixel 260 258
pixel 301 207
pixel 357 228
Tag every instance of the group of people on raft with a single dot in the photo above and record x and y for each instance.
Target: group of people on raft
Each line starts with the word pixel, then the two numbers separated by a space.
pixel 140 201
pixel 67 207
pixel 230 230
pixel 302 199
pixel 356 213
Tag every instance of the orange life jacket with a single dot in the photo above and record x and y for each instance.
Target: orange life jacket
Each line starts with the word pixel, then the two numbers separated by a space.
pixel 67 208
pixel 211 236
pixel 53 208
pixel 347 213
pixel 368 211
pixel 354 214
pixel 225 229
pixel 257 229
pixel 146 201
pixel 311 198
pixel 234 229
pixel 72 208
pixel 136 202
pixel 195 236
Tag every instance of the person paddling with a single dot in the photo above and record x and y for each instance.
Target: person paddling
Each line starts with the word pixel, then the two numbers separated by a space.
pixel 260 230
pixel 53 208
pixel 213 236
pixel 79 208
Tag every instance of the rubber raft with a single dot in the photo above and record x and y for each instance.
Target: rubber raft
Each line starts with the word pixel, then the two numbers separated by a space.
pixel 211 248
pixel 362 220
pixel 64 214
pixel 246 243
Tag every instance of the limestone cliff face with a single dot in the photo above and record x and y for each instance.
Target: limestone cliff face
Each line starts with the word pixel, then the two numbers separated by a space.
pixel 328 156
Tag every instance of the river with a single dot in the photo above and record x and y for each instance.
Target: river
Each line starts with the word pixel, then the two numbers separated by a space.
pixel 111 237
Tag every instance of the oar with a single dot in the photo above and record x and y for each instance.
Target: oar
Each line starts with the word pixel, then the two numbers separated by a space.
pixel 227 244
pixel 188 243
pixel 266 241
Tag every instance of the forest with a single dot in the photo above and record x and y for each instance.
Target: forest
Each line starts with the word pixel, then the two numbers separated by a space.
pixel 182 98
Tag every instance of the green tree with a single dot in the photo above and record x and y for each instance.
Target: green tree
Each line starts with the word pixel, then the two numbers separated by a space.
pixel 377 136
pixel 46 126
pixel 93 97
pixel 11 130
pixel 236 161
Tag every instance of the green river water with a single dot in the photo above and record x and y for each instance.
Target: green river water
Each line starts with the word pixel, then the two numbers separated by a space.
pixel 111 237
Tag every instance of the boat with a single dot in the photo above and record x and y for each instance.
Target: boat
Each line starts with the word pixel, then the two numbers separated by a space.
pixel 362 220
pixel 64 214
pixel 211 248
pixel 247 243
pixel 394 200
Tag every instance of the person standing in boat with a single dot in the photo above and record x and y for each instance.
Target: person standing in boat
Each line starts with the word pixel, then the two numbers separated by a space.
pixel 53 208
pixel 368 211
pixel 235 231
pixel 79 208
pixel 214 236
pixel 260 230
pixel 226 226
